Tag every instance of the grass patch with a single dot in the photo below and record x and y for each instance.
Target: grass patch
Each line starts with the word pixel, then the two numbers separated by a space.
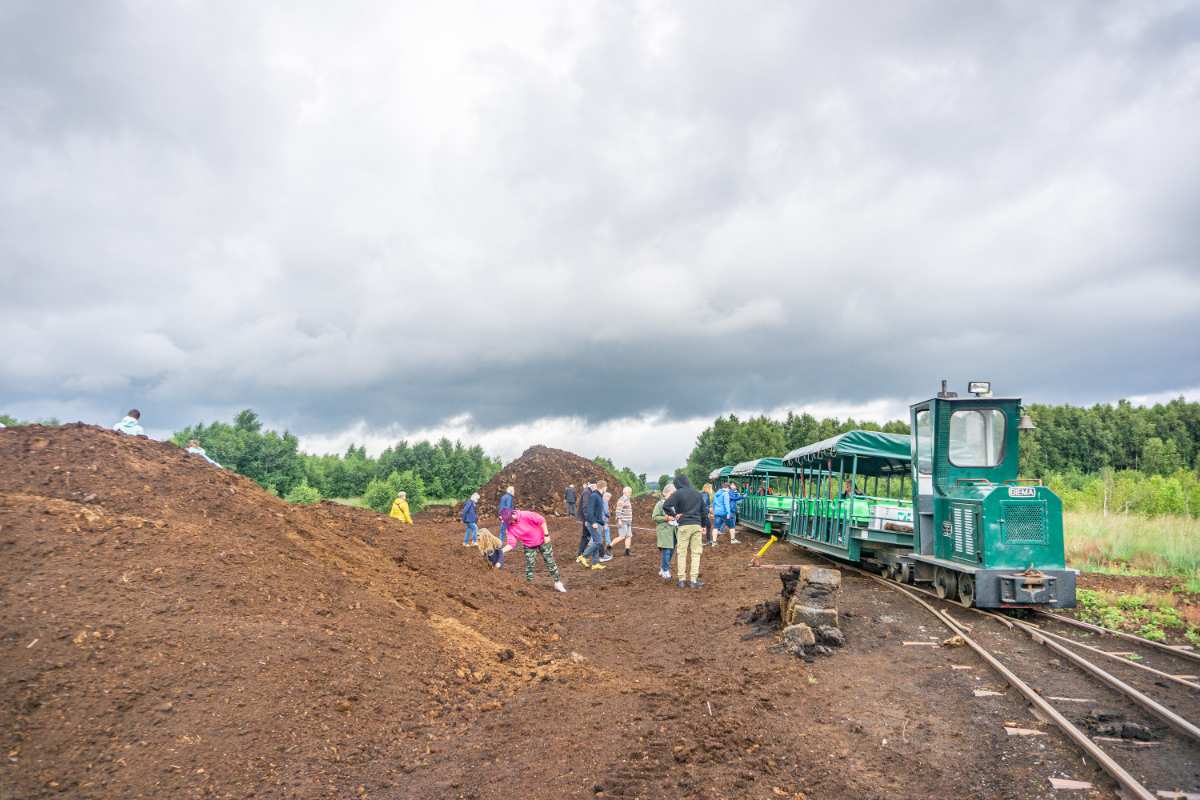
pixel 1125 544
pixel 357 502
pixel 1152 615
pixel 441 501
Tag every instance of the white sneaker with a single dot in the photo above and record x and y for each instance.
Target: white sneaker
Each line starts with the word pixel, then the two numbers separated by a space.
pixel 558 587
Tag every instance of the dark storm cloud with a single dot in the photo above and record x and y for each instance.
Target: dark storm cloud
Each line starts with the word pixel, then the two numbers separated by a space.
pixel 603 210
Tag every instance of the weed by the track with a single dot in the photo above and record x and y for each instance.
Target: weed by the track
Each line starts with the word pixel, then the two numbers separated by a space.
pixel 1152 615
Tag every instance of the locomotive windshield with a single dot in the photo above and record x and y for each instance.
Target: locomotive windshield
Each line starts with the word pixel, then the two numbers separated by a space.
pixel 976 437
pixel 924 442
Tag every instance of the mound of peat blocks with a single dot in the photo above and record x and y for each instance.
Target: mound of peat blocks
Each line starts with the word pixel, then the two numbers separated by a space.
pixel 539 478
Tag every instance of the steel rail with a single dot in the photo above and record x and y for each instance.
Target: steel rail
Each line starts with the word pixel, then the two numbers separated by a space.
pixel 1157 672
pixel 1106 762
pixel 1078 623
pixel 1162 712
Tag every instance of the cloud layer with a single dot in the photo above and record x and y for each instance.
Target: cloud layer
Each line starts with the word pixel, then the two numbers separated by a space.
pixel 389 219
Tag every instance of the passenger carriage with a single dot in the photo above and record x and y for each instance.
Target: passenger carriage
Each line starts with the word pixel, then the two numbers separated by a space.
pixel 767 488
pixel 850 497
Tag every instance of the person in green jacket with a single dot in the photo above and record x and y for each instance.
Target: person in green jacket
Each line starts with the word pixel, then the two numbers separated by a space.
pixel 665 527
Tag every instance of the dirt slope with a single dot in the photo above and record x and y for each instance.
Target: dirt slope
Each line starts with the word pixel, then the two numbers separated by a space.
pixel 168 626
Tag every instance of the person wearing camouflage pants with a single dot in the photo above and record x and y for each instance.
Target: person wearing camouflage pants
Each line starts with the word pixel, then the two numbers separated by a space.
pixel 547 551
pixel 530 529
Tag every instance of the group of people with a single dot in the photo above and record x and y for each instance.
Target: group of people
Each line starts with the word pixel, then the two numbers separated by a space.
pixel 686 519
pixel 131 425
pixel 594 511
pixel 527 528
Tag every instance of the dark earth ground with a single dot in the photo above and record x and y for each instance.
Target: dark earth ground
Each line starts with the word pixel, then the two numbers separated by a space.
pixel 168 630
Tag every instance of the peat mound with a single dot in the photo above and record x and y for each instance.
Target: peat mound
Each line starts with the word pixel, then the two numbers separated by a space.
pixel 169 629
pixel 539 478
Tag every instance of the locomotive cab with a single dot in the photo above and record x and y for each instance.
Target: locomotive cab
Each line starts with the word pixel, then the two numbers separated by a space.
pixel 981 534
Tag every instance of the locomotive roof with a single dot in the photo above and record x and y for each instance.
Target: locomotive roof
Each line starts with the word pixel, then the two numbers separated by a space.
pixel 879 453
pixel 767 465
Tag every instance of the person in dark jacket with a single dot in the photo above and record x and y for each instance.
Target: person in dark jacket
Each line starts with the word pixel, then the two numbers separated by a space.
pixel 689 508
pixel 570 497
pixel 585 536
pixel 470 518
pixel 594 519
pixel 505 509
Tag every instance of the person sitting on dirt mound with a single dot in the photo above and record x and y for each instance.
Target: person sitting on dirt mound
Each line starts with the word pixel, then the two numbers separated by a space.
pixel 131 425
pixel 400 509
pixel 625 519
pixel 491 548
pixel 530 529
pixel 470 518
pixel 195 449
pixel 686 506
pixel 665 532
pixel 506 507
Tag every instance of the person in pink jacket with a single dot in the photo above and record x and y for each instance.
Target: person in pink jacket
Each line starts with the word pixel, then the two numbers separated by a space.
pixel 530 529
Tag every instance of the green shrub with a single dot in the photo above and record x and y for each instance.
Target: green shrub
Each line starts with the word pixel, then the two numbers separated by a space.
pixel 303 494
pixel 380 493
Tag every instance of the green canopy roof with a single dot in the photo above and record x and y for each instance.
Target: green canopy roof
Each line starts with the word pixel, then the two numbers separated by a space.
pixel 762 466
pixel 878 453
pixel 723 472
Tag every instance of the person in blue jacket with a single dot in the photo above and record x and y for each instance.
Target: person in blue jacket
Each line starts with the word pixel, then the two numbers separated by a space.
pixel 506 509
pixel 734 498
pixel 470 518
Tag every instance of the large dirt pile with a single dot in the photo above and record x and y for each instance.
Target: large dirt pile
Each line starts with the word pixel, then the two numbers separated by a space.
pixel 539 477
pixel 171 630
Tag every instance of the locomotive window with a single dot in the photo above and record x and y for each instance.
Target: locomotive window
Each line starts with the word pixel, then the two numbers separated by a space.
pixel 924 442
pixel 977 437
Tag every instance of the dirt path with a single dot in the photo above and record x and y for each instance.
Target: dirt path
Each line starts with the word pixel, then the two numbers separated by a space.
pixel 679 704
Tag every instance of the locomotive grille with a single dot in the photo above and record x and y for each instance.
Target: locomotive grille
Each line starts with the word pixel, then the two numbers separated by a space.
pixel 963 519
pixel 1024 523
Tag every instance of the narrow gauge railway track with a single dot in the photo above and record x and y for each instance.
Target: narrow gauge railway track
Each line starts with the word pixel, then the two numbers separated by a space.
pixel 1086 700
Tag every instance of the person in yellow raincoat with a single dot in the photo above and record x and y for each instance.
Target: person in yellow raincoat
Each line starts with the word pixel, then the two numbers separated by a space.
pixel 400 509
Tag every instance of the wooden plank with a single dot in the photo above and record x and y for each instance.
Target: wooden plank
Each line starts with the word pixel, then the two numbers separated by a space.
pixel 1069 785
pixel 1023 732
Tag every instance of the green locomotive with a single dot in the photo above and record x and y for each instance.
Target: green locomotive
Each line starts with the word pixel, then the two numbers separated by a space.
pixel 942 507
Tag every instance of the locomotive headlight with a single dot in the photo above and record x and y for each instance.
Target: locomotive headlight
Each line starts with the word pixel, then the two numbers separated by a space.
pixel 980 388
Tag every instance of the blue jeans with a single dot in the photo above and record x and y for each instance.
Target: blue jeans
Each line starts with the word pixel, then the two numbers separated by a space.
pixel 667 552
pixel 503 532
pixel 596 548
pixel 607 536
pixel 472 534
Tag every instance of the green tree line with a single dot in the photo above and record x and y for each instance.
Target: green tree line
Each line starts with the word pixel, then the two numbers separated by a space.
pixel 636 481
pixel 441 469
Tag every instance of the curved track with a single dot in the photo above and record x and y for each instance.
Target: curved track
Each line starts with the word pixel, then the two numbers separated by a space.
pixel 1136 719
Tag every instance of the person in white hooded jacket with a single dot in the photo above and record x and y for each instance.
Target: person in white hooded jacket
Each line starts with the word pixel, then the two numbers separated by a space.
pixel 131 425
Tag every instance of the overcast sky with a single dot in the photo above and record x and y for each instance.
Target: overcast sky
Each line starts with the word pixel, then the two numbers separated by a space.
pixel 593 225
